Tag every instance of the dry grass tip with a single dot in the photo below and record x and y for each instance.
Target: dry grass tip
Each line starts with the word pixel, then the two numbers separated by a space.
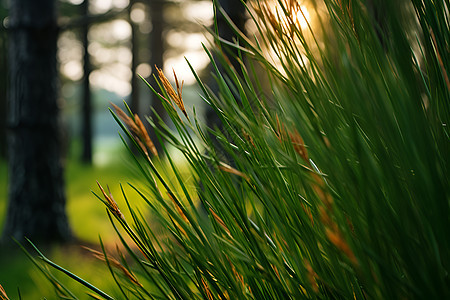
pixel 111 204
pixel 226 168
pixel 174 96
pixel 138 130
pixel 116 264
pixel 3 295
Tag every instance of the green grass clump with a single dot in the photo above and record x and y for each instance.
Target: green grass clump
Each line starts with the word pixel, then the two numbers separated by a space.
pixel 330 184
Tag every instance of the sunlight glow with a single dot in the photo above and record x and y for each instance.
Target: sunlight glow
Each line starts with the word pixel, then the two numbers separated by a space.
pixel 295 21
pixel 200 12
pixel 299 16
pixel 302 17
pixel 197 58
pixel 112 80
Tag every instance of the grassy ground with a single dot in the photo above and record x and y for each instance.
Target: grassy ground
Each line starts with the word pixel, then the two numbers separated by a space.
pixel 88 220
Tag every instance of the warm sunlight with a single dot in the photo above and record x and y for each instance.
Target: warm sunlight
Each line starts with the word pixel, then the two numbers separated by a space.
pixel 302 17
pixel 298 15
pixel 294 20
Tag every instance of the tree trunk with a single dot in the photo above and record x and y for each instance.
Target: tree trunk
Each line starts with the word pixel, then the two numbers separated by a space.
pixel 236 11
pixel 3 80
pixel 3 83
pixel 135 104
pixel 36 207
pixel 157 59
pixel 86 156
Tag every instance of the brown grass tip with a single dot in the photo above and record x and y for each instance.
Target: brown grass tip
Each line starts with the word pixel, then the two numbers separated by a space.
pixel 138 130
pixel 178 208
pixel 3 295
pixel 143 135
pixel 206 289
pixel 248 137
pixel 336 238
pixel 299 145
pixel 126 119
pixel 115 263
pixel 226 168
pixel 174 96
pixel 312 276
pixel 111 204
pixel 219 221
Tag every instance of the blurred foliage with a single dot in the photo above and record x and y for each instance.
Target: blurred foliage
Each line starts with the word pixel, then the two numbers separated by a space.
pixel 86 218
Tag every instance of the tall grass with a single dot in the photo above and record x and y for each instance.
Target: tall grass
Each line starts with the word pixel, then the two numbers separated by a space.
pixel 329 176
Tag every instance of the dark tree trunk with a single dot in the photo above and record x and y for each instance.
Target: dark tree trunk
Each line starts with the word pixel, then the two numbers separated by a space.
pixel 135 103
pixel 236 11
pixel 36 188
pixel 86 155
pixel 157 59
pixel 3 81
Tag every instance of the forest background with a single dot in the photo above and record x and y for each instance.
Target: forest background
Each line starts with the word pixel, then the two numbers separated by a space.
pixel 102 46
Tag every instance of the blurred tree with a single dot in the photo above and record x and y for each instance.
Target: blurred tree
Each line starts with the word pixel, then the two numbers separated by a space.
pixel 3 80
pixel 86 155
pixel 235 10
pixel 80 19
pixel 36 188
pixel 157 58
pixel 135 103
